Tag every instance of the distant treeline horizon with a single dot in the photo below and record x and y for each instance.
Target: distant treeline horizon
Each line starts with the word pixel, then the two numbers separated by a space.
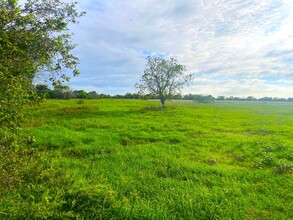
pixel 64 92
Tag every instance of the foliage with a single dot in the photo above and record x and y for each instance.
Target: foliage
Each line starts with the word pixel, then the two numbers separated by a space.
pixel 203 99
pixel 33 38
pixel 42 90
pixel 92 95
pixel 163 78
pixel 44 192
pixel 57 93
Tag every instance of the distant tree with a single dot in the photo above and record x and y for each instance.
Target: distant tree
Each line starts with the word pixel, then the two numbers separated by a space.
pixel 188 97
pixel 80 94
pixel 118 96
pixel 203 98
pixel 250 98
pixel 236 98
pixel 137 96
pixel 266 99
pixel 221 98
pixel 59 92
pixel 177 96
pixel 128 95
pixel 93 95
pixel 148 96
pixel 42 90
pixel 132 95
pixel 279 99
pixel 230 98
pixel 163 78
pixel 104 96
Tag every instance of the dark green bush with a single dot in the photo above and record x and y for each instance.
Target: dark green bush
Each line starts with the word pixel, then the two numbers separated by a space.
pixel 203 99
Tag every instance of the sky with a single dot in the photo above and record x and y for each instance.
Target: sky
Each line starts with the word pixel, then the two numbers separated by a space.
pixel 233 47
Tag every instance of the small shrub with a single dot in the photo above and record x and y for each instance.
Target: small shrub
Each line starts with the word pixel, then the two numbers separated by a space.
pixel 38 190
pixel 15 164
pixel 268 159
pixel 175 140
pixel 126 141
pixel 88 140
pixel 284 168
pixel 91 202
pixel 212 161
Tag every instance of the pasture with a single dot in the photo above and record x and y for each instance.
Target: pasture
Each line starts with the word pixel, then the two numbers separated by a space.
pixel 129 159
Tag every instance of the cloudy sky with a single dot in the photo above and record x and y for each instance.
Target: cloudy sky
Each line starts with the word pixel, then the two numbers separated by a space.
pixel 234 47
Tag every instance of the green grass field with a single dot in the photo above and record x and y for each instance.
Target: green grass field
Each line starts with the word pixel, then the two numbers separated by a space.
pixel 129 159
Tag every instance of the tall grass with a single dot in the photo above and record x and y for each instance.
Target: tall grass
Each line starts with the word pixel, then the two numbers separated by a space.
pixel 130 159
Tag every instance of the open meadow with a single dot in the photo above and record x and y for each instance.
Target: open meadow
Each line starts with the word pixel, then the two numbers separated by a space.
pixel 129 159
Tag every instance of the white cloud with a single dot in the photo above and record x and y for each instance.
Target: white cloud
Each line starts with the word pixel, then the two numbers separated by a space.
pixel 237 47
pixel 240 88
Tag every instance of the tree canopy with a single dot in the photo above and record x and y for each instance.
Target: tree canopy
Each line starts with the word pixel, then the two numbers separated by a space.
pixel 163 78
pixel 33 38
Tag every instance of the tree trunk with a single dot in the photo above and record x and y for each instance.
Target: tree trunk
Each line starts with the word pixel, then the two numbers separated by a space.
pixel 163 100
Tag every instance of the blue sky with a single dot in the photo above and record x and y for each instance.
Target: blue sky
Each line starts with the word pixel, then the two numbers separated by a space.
pixel 234 47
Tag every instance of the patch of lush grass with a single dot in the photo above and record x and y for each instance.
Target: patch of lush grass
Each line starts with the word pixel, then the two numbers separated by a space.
pixel 130 159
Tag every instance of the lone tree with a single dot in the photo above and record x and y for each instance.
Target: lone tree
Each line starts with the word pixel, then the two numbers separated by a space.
pixel 33 38
pixel 163 78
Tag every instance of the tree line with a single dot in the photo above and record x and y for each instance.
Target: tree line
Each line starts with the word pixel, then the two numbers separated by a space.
pixel 64 92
